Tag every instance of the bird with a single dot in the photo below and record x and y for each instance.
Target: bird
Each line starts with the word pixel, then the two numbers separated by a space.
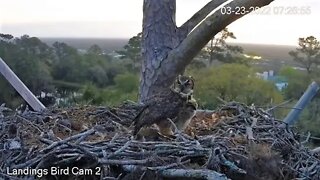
pixel 171 108
pixel 184 86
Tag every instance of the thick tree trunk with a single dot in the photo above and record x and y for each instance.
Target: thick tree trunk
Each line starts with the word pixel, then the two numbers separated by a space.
pixel 158 38
pixel 167 49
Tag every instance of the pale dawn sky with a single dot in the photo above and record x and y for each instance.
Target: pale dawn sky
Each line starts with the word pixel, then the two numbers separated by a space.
pixel 123 19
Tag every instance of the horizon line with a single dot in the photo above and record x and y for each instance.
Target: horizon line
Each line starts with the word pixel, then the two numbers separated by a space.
pixel 127 38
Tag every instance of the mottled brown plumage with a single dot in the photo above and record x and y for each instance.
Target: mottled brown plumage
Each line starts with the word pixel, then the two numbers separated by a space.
pixel 176 104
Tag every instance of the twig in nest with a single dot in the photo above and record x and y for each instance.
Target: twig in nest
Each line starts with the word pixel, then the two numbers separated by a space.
pixel 249 133
pixel 278 105
pixel 32 124
pixel 316 150
pixel 223 101
pixel 192 173
pixel 174 126
pixel 110 178
pixel 142 176
pixel 65 127
pixel 159 168
pixel 53 145
pixel 28 163
pixel 9 177
pixel 307 138
pixel 126 145
pixel 123 162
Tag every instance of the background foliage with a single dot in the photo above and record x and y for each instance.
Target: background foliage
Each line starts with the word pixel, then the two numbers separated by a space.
pixel 94 77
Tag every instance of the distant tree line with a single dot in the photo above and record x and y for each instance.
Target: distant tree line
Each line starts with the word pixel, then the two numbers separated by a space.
pixel 59 68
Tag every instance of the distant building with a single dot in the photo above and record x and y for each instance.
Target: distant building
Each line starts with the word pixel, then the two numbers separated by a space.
pixel 271 73
pixel 115 55
pixel 279 81
pixel 265 75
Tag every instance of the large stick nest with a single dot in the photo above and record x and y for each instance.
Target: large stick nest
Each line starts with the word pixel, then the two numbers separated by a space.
pixel 235 141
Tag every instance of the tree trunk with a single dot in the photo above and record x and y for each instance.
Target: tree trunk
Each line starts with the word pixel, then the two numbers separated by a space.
pixel 167 49
pixel 158 38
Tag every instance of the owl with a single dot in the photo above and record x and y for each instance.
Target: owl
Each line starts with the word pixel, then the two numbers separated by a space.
pixel 184 86
pixel 174 106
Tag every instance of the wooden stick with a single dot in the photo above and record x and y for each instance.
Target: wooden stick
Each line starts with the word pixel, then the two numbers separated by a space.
pixel 249 133
pixel 192 173
pixel 19 86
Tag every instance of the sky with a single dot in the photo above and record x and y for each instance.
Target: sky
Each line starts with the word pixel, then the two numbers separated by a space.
pixel 123 19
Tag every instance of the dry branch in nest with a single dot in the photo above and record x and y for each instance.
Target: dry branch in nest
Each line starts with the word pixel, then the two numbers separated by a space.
pixel 236 142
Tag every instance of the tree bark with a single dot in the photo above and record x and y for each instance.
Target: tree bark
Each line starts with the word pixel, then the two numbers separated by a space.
pixel 167 49
pixel 158 38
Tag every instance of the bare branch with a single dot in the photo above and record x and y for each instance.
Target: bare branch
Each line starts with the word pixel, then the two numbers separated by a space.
pixel 201 35
pixel 187 27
